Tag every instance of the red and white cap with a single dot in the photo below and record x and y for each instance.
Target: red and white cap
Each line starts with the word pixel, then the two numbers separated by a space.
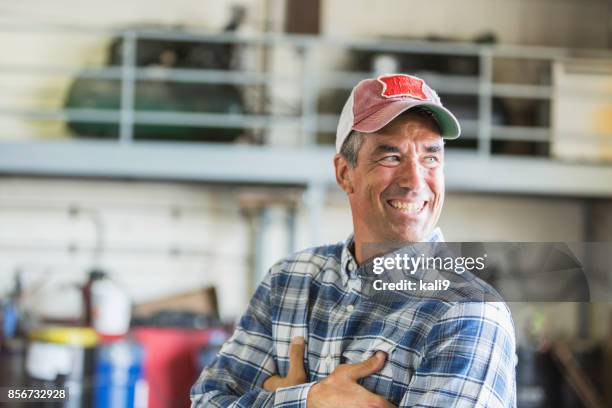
pixel 374 103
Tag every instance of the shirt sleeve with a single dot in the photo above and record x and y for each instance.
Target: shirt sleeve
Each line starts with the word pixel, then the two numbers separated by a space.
pixel 235 378
pixel 469 360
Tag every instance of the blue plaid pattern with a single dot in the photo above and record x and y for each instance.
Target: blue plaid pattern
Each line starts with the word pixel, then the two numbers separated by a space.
pixel 440 353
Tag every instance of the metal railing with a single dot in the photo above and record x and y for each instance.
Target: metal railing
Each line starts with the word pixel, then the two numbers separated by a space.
pixel 308 82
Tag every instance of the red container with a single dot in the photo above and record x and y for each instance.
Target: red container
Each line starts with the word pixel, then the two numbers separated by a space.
pixel 170 363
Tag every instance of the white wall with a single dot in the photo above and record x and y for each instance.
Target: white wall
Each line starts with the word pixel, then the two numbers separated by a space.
pixel 209 14
pixel 564 23
pixel 142 224
pixel 472 217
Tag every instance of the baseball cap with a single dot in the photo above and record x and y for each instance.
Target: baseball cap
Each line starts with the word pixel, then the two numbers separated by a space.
pixel 375 102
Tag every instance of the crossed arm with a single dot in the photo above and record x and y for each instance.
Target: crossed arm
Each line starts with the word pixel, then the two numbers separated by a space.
pixel 468 361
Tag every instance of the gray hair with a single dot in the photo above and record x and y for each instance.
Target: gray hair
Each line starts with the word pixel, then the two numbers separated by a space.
pixel 352 144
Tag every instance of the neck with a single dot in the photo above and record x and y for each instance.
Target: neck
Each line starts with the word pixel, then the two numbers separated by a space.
pixel 366 247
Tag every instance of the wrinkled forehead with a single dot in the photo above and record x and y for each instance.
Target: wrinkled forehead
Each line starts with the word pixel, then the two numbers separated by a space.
pixel 400 142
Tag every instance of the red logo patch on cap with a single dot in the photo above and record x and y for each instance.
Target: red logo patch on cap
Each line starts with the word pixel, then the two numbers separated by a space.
pixel 402 85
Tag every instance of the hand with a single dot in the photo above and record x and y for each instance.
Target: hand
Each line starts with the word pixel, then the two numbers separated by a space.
pixel 340 389
pixel 296 374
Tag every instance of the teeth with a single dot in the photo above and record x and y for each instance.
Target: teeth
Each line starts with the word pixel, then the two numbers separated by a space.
pixel 407 207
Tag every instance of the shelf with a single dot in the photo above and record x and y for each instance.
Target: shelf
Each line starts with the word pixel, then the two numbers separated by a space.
pixel 285 166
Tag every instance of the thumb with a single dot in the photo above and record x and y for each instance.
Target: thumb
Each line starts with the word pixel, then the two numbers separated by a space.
pixel 296 358
pixel 367 367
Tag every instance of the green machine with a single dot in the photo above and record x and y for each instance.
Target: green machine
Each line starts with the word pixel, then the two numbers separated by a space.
pixel 164 95
pixel 156 96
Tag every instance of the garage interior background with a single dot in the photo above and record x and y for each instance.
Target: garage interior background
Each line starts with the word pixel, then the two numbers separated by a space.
pixel 187 144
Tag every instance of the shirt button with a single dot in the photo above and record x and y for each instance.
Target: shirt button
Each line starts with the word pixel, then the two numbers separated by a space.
pixel 328 360
pixel 350 308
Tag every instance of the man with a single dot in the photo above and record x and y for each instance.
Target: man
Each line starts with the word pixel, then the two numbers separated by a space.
pixel 313 337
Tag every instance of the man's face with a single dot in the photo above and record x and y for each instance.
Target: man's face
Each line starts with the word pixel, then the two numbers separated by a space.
pixel 396 190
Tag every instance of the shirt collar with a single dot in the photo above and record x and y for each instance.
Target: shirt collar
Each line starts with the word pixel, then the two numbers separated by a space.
pixel 348 265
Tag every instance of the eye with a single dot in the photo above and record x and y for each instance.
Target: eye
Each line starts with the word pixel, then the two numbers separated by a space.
pixel 431 160
pixel 392 160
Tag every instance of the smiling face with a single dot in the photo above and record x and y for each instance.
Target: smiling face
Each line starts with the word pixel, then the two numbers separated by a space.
pixel 396 189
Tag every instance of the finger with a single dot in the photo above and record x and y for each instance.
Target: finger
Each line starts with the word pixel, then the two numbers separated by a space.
pixel 296 358
pixel 368 367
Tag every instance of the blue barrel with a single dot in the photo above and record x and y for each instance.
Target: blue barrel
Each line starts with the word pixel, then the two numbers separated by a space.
pixel 119 378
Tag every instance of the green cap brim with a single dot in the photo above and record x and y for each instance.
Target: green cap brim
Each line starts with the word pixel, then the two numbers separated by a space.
pixel 449 125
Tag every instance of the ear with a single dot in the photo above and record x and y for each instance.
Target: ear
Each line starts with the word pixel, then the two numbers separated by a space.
pixel 343 174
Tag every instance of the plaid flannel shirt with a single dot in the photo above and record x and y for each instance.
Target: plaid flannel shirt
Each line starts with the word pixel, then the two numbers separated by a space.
pixel 440 353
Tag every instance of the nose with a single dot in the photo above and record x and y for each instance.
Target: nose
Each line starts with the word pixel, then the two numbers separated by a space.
pixel 411 176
